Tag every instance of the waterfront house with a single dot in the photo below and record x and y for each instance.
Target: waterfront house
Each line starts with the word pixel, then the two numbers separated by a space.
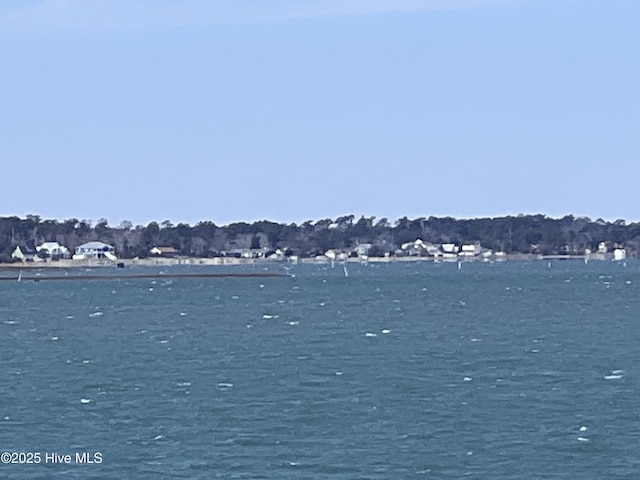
pixel 419 248
pixel 470 250
pixel 24 253
pixel 619 254
pixel 449 252
pixel 362 250
pixel 53 250
pixel 94 250
pixel 166 252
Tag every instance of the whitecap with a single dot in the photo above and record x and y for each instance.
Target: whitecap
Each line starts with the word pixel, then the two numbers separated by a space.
pixel 164 341
pixel 583 428
pixel 338 374
pixel 583 439
pixel 617 372
pixel 10 322
pixel 6 418
pixel 612 377
pixel 224 386
pixel 86 361
pixel 158 437
pixel 184 384
pixel 369 334
pixel 95 314
pixel 293 464
pixel 386 331
pixel 235 297
pixel 69 317
pixel 294 323
pixel 261 285
pixel 55 338
pixel 475 339
pixel 467 379
pixel 267 316
pixel 248 325
pixel 85 400
pixel 182 314
pixel 151 289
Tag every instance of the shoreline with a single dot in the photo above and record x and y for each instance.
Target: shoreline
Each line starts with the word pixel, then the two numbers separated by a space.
pixel 144 276
pixel 225 261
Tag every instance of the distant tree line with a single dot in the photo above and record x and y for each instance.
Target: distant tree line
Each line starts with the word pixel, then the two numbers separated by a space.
pixel 510 234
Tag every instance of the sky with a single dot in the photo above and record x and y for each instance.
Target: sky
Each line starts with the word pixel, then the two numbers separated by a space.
pixel 295 110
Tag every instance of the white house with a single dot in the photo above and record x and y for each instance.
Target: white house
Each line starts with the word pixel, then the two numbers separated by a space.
pixel 362 250
pixel 418 248
pixel 53 250
pixel 450 248
pixel 619 254
pixel 470 250
pixel 164 252
pixel 94 250
pixel 331 254
pixel 24 253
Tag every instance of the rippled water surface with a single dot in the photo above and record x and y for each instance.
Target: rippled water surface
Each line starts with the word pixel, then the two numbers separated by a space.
pixel 511 370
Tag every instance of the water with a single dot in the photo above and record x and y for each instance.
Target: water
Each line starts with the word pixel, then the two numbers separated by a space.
pixel 511 370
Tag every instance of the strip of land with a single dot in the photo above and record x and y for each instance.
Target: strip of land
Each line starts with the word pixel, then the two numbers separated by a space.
pixel 144 276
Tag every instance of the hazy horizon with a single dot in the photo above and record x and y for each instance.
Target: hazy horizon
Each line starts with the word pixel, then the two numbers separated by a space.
pixel 392 220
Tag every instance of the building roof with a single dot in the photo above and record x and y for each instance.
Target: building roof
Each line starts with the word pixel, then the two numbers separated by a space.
pixel 94 246
pixel 164 250
pixel 25 249
pixel 51 247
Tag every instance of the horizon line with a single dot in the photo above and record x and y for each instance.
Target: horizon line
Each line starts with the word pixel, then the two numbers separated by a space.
pixel 92 223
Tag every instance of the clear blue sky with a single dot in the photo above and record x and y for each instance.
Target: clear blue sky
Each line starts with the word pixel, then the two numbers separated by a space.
pixel 293 110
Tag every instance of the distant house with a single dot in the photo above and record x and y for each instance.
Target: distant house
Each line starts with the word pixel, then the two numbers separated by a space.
pixel 449 252
pixel 166 252
pixel 419 248
pixel 619 254
pixel 362 250
pixel 470 250
pixel 94 250
pixel 450 248
pixel 53 250
pixel 24 253
pixel 276 254
pixel 331 254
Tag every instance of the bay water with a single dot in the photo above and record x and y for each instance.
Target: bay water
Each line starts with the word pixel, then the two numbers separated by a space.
pixel 513 370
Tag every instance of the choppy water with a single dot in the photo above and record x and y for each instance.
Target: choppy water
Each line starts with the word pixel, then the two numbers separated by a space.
pixel 511 370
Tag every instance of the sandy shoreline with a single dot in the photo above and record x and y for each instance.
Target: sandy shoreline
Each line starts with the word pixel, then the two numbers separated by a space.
pixel 220 261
